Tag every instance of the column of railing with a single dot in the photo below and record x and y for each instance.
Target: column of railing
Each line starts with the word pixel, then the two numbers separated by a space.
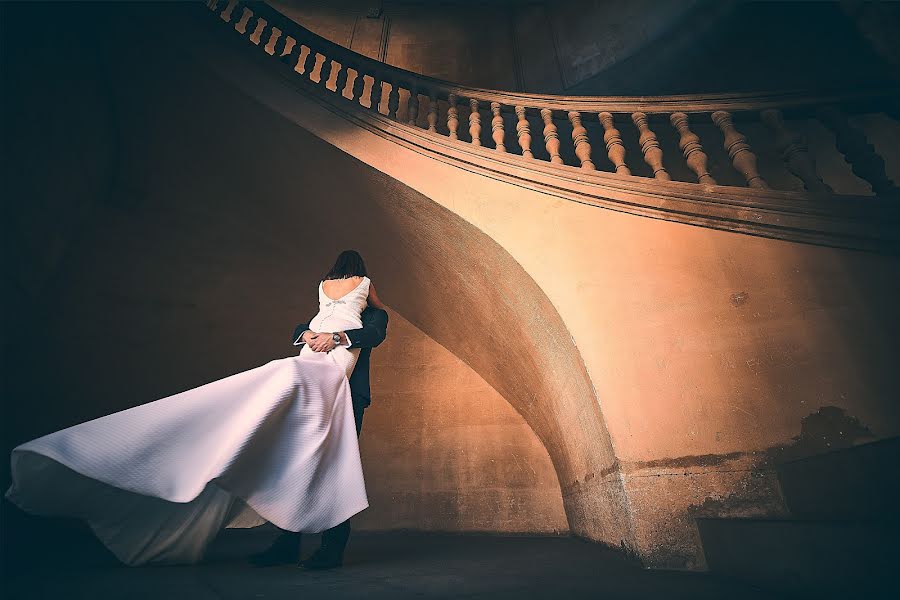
pixel 304 51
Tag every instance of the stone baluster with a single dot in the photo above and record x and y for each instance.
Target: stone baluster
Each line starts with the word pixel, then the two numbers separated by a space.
pixel 860 154
pixel 359 84
pixel 474 122
pixel 551 137
pixel 340 82
pixel 309 62
pixel 581 141
pixel 375 93
pixel 739 151
pixel 287 53
pixel 233 15
pixel 650 147
pixel 691 148
pixel 236 16
pixel 254 22
pixel 265 32
pixel 497 131
pixel 615 149
pixel 250 20
pixel 325 72
pixel 412 106
pixel 432 111
pixel 394 99
pixel 452 117
pixel 794 151
pixel 277 38
pixel 523 131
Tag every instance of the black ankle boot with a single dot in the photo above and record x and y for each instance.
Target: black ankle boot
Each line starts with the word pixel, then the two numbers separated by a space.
pixel 331 553
pixel 283 551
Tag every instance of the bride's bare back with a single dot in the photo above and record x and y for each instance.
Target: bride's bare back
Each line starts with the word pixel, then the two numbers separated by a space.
pixel 338 288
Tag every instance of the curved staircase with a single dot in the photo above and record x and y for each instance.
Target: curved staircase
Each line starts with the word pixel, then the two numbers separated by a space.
pixel 814 168
pixel 675 283
pixel 821 167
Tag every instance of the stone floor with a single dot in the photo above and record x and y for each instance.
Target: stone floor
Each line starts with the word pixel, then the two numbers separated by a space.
pixel 377 565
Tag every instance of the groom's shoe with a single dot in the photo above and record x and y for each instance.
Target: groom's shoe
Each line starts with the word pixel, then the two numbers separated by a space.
pixel 285 550
pixel 331 553
pixel 322 559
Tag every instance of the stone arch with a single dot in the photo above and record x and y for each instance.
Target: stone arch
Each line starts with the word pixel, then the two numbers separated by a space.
pixel 464 290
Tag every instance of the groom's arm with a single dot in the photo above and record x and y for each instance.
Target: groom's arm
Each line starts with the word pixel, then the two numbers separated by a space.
pixel 372 332
pixel 299 330
pixel 370 335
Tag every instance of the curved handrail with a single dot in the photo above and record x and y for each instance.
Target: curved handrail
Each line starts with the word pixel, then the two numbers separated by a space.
pixel 817 215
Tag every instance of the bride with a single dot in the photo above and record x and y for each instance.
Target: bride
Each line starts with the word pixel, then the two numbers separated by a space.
pixel 276 443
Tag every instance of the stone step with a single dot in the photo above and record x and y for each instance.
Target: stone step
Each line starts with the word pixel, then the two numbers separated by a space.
pixel 861 482
pixel 806 557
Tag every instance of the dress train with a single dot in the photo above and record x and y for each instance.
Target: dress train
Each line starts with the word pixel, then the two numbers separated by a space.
pixel 157 482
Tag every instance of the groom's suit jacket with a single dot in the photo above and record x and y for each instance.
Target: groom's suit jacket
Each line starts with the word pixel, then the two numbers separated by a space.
pixel 372 333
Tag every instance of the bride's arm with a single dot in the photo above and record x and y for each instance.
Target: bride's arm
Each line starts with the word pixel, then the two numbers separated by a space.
pixel 373 299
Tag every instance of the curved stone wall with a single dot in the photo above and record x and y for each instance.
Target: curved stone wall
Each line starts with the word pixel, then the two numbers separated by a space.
pixel 711 351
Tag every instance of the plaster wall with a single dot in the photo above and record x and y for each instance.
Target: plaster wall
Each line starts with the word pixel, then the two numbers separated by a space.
pixel 443 451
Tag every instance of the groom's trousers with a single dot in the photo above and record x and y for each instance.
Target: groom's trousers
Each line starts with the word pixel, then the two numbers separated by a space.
pixel 334 540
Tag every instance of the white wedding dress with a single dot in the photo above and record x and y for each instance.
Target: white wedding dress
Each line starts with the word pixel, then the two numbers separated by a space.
pixel 157 482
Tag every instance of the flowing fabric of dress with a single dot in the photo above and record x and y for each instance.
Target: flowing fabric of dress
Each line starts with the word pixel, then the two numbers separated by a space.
pixel 158 481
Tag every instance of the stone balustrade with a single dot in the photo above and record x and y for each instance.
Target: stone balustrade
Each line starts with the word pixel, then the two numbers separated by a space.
pixel 631 129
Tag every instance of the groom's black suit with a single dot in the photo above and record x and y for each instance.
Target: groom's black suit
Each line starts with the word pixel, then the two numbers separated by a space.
pixel 372 333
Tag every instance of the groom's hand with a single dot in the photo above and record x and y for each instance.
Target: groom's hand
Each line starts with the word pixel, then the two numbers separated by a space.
pixel 321 342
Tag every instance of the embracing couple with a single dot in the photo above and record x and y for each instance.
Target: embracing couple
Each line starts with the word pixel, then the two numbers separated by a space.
pixel 277 443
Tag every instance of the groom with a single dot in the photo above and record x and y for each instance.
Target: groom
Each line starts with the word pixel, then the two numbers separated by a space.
pixel 286 547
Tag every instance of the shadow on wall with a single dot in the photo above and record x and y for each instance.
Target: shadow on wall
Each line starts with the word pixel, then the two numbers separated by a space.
pixel 240 210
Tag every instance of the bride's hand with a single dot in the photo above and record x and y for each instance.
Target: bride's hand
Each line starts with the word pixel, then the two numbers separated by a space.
pixel 321 342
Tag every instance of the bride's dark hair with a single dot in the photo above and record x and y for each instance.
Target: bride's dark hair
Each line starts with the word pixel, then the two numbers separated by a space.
pixel 348 264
